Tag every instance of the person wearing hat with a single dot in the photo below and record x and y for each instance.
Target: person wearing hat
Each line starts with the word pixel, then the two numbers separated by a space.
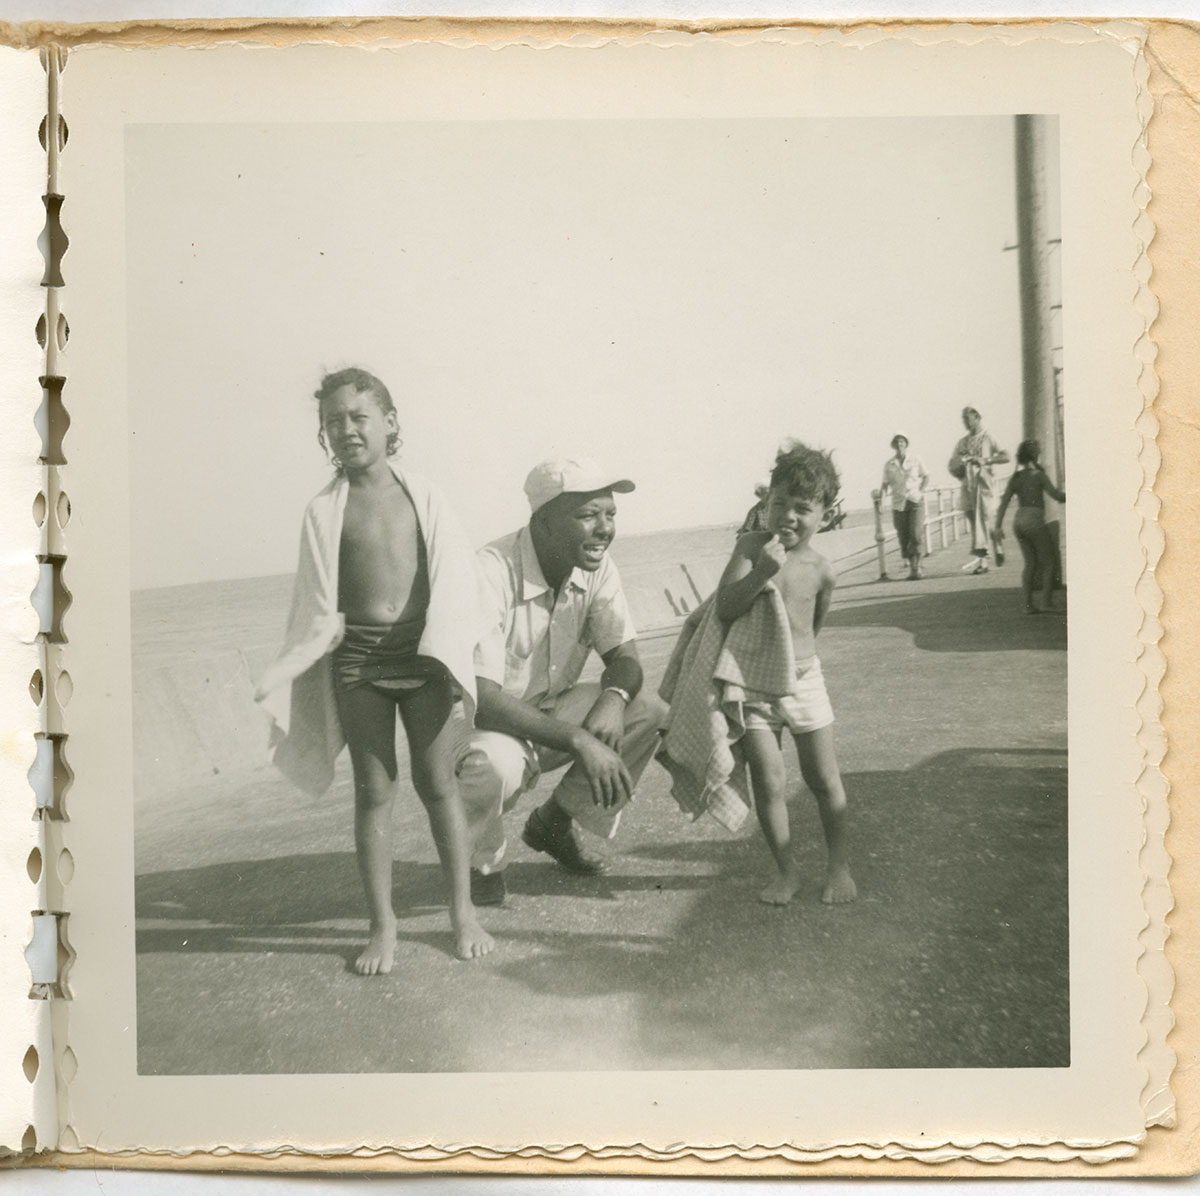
pixel 974 456
pixel 553 595
pixel 904 477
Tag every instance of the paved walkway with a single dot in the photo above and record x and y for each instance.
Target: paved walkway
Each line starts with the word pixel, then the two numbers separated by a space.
pixel 951 732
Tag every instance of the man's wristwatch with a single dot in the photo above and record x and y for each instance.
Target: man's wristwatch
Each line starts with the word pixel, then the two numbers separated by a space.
pixel 623 694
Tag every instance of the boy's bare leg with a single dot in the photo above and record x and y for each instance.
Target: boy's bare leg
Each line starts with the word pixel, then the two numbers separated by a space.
pixel 818 766
pixel 369 721
pixel 426 714
pixel 769 778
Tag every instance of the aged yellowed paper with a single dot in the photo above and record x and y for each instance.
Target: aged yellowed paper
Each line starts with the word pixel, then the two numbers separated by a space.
pixel 184 462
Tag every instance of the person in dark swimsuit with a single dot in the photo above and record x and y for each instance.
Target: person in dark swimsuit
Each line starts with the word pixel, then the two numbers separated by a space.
pixel 383 595
pixel 1029 484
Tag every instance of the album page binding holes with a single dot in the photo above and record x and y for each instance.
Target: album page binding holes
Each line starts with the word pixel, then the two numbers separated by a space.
pixel 49 865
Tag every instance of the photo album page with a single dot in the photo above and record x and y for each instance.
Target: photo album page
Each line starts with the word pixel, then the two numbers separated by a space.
pixel 614 598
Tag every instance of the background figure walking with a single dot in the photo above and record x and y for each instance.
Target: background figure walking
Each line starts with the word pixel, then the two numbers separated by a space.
pixel 905 478
pixel 972 462
pixel 1030 485
pixel 756 517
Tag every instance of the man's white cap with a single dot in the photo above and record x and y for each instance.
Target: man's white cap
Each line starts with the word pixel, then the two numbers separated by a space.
pixel 570 475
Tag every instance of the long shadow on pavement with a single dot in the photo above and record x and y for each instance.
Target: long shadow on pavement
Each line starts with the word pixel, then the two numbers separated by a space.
pixel 958 620
pixel 956 954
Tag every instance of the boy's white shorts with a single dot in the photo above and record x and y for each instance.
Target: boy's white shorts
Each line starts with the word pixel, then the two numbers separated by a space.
pixel 805 709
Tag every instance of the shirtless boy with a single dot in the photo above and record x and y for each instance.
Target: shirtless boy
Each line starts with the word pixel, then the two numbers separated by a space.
pixel 393 573
pixel 804 483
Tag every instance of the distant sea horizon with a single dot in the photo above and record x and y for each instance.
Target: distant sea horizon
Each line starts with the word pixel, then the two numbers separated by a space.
pixel 199 618
pixel 629 550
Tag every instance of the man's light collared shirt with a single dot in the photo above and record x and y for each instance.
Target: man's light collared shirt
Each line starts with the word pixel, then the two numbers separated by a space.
pixel 906 480
pixel 537 643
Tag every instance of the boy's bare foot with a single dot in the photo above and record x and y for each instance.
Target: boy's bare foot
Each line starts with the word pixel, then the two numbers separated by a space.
pixel 839 886
pixel 782 889
pixel 376 958
pixel 471 941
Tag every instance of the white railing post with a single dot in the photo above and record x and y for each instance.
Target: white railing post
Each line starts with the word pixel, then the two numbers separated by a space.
pixel 880 535
pixel 941 506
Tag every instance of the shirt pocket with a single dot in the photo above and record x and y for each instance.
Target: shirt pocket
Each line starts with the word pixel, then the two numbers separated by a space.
pixel 516 672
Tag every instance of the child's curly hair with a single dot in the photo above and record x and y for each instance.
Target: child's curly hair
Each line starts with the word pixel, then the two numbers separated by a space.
pixel 363 382
pixel 806 472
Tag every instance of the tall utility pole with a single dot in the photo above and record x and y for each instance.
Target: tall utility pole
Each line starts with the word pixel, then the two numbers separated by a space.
pixel 1040 406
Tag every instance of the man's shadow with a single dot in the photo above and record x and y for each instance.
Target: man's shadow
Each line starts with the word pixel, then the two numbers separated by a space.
pixel 955 955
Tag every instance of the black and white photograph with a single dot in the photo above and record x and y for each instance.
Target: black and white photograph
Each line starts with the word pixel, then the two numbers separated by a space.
pixel 600 580
pixel 662 414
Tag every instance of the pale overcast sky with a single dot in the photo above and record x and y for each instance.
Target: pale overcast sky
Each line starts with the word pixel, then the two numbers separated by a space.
pixel 672 297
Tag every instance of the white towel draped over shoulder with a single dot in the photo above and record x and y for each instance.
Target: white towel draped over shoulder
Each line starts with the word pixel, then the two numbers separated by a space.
pixel 296 690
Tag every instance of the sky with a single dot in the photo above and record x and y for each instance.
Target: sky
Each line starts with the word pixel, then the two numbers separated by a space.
pixel 671 297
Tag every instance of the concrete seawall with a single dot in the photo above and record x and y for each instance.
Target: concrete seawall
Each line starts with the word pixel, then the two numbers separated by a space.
pixel 197 649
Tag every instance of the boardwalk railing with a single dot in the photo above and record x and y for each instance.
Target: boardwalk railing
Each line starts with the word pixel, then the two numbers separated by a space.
pixel 943 519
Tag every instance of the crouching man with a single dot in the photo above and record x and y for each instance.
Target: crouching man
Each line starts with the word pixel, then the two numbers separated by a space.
pixel 553 595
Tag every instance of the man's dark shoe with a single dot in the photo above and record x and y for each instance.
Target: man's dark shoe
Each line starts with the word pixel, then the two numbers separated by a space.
pixel 488 888
pixel 564 846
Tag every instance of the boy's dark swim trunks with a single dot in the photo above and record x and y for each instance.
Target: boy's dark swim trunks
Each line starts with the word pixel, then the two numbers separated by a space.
pixel 384 656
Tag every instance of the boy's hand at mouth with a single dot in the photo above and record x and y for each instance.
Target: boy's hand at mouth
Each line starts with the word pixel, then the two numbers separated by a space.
pixel 771 557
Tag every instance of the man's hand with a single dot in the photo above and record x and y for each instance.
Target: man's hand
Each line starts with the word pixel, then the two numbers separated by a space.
pixel 606 719
pixel 771 558
pixel 606 773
